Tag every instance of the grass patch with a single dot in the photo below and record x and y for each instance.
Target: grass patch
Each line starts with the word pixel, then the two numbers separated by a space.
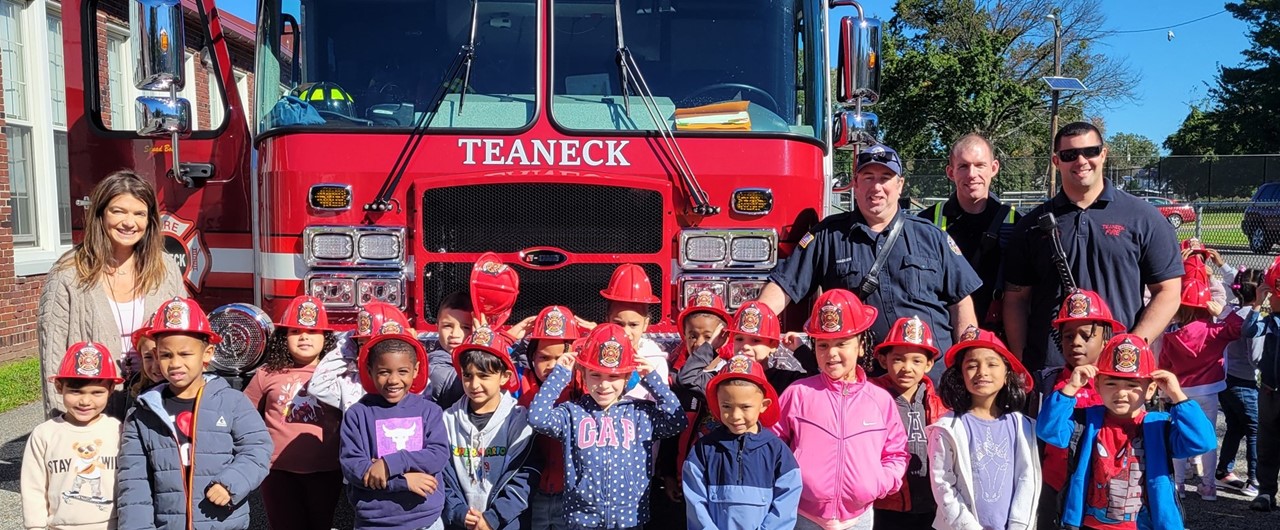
pixel 19 383
pixel 1217 229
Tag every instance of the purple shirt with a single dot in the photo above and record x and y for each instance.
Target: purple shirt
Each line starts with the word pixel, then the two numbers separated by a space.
pixel 992 453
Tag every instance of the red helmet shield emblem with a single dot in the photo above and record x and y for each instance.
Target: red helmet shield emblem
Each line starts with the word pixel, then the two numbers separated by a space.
pixel 175 316
pixel 493 267
pixel 970 333
pixel 308 313
pixel 704 298
pixel 482 337
pixel 88 361
pixel 1126 358
pixel 554 323
pixel 750 322
pixel 830 319
pixel 740 364
pixel 913 331
pixel 1078 306
pixel 611 354
pixel 364 323
pixel 390 326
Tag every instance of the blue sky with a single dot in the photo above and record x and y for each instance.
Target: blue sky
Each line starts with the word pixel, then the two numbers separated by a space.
pixel 1172 73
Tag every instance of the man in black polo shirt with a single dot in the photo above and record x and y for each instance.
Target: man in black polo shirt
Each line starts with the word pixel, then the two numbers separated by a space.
pixel 975 219
pixel 1115 244
pixel 923 274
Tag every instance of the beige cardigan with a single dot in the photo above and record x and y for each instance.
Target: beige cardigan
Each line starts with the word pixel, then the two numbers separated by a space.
pixel 69 314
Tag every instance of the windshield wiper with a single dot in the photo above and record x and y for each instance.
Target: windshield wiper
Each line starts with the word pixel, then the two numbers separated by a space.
pixel 632 80
pixel 461 67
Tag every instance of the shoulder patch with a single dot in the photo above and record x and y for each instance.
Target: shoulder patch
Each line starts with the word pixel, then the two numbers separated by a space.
pixel 954 248
pixel 804 241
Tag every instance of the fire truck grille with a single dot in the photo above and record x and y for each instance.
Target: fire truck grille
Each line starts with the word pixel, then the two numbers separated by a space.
pixel 575 286
pixel 576 218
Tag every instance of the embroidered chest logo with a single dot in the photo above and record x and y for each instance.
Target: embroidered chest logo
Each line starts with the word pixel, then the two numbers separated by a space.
pixel 829 318
pixel 750 322
pixel 1112 230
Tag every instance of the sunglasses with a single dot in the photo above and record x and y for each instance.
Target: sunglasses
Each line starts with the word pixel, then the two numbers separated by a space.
pixel 1070 155
pixel 882 157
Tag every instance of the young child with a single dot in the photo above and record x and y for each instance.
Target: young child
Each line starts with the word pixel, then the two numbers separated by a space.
pixel 1239 402
pixel 983 462
pixel 336 381
pixel 454 323
pixel 301 491
pixel 907 355
pixel 1118 452
pixel 1193 349
pixel 487 484
pixel 193 448
pixel 846 433
pixel 149 375
pixel 1084 326
pixel 69 465
pixel 608 438
pixel 393 440
pixel 1269 396
pixel 630 294
pixel 755 333
pixel 742 475
pixel 554 331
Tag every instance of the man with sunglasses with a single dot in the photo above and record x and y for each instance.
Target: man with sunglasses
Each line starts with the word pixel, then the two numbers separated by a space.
pixel 1114 243
pixel 922 273
pixel 976 219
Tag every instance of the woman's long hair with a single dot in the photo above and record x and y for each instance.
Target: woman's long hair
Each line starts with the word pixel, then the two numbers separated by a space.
pixel 92 254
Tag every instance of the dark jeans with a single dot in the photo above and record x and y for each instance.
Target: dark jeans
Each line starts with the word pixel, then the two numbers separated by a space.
pixel 1240 405
pixel 889 520
pixel 1047 511
pixel 1268 440
pixel 303 501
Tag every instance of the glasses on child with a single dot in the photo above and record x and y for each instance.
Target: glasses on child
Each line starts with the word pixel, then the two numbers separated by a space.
pixel 1070 155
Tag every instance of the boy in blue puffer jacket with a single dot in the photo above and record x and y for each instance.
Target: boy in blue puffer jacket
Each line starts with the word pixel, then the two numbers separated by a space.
pixel 608 439
pixel 194 448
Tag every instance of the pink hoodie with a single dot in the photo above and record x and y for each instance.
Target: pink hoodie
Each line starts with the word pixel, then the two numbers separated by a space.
pixel 1194 353
pixel 849 441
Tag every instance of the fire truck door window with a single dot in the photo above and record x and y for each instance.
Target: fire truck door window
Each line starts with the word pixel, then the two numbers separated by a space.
pixel 691 53
pixel 344 64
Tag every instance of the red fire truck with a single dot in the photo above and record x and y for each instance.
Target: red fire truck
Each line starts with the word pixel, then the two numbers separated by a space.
pixel 396 141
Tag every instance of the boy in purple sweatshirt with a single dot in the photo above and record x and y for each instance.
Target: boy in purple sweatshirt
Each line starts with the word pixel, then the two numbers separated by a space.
pixel 393 441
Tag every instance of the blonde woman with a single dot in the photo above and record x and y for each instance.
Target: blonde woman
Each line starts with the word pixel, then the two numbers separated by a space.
pixel 105 286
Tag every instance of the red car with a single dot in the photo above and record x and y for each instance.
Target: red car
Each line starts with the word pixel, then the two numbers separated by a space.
pixel 1176 212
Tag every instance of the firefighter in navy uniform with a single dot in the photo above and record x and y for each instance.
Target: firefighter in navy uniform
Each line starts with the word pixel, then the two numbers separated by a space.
pixel 977 221
pixel 922 273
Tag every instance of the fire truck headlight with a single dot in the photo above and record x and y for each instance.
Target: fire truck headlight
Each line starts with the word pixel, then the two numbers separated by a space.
pixel 332 246
pixel 731 249
pixel 380 246
pixel 705 249
pixel 385 288
pixel 337 292
pixel 743 291
pixel 693 285
pixel 751 249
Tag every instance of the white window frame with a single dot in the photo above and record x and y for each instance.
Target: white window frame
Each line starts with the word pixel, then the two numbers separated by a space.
pixel 127 88
pixel 37 259
pixel 242 87
pixel 217 107
pixel 189 90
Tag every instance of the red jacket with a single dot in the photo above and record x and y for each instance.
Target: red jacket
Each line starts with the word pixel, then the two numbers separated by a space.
pixel 933 409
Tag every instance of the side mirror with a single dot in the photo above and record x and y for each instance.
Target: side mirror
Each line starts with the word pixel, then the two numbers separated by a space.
pixel 159 30
pixel 858 62
pixel 855 131
pixel 162 116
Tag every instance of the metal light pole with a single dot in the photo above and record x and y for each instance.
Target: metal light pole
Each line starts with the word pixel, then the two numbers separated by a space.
pixel 1053 107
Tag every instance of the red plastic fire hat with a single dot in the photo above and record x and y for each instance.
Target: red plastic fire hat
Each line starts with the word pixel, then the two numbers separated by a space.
pixel 981 338
pixel 755 319
pixel 607 349
pixel 912 333
pixel 1195 293
pixel 1083 305
pixel 838 313
pixel 182 315
pixel 362 362
pixel 703 301
pixel 1126 355
pixel 746 368
pixel 555 323
pixel 377 318
pixel 486 340
pixel 494 287
pixel 141 333
pixel 305 312
pixel 87 360
pixel 630 284
pixel 1272 276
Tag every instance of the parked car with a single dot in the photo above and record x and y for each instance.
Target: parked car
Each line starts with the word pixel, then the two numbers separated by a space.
pixel 1261 221
pixel 1173 211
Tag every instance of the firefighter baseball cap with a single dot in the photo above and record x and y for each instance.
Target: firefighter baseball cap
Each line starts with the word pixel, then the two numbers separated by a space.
pixel 839 313
pixel 87 360
pixel 607 349
pixel 305 312
pixel 1085 305
pixel 981 338
pixel 879 154
pixel 1126 355
pixel 377 318
pixel 910 332
pixel 1195 293
pixel 494 287
pixel 702 301
pixel 362 362
pixel 182 315
pixel 745 368
pixel 555 323
pixel 486 340
pixel 755 319
pixel 630 284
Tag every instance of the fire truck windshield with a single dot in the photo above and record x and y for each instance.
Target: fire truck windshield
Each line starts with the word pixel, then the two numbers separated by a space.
pixel 343 64
pixel 692 53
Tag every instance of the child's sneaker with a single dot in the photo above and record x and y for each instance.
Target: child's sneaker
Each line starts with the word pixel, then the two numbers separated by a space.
pixel 1230 480
pixel 1250 489
pixel 1208 492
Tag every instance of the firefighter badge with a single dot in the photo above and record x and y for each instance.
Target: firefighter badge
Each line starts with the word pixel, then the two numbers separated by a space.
pixel 829 318
pixel 308 314
pixel 391 326
pixel 913 331
pixel 176 315
pixel 1078 305
pixel 611 354
pixel 482 336
pixel 1126 357
pixel 553 323
pixel 364 323
pixel 740 364
pixel 704 298
pixel 89 361
pixel 970 333
pixel 750 322
pixel 493 267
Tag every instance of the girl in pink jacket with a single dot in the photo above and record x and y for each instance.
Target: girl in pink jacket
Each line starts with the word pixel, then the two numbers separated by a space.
pixel 846 433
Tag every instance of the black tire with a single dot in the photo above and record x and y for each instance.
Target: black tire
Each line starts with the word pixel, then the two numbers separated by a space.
pixel 1258 242
pixel 1175 220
